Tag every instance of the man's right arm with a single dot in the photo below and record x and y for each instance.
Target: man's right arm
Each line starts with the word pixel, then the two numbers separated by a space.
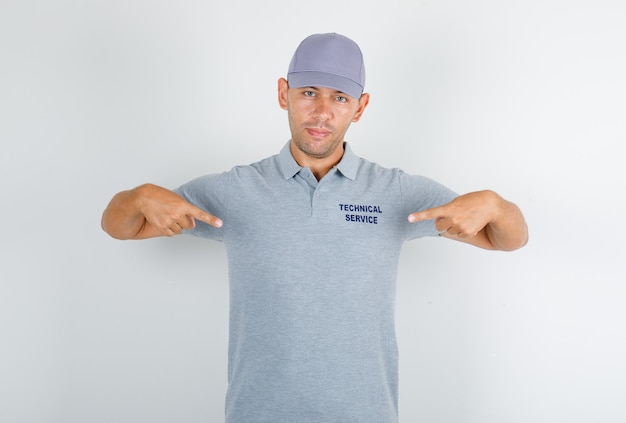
pixel 149 211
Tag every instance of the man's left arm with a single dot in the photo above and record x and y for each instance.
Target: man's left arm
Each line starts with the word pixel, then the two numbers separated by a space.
pixel 482 218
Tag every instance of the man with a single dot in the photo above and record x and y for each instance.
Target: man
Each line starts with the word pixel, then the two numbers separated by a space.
pixel 313 236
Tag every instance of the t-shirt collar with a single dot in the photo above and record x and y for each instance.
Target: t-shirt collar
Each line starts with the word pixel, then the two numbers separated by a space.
pixel 348 165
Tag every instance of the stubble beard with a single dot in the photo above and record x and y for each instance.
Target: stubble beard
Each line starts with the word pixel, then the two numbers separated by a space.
pixel 318 148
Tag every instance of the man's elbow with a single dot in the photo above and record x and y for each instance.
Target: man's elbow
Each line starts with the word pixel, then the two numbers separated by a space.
pixel 514 243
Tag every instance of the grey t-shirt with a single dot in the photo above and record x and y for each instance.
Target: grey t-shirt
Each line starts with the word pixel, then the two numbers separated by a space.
pixel 312 269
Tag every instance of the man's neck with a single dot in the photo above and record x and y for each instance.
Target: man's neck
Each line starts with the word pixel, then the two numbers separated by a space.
pixel 319 166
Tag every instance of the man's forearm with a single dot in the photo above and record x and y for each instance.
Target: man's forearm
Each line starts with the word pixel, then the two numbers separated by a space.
pixel 509 231
pixel 122 219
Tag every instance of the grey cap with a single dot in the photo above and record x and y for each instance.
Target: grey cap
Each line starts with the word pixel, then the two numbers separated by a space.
pixel 328 60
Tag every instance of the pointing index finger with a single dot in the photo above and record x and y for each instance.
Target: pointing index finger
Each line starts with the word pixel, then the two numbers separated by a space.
pixel 205 217
pixel 427 214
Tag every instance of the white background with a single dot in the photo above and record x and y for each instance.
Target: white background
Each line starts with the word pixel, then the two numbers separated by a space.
pixel 526 98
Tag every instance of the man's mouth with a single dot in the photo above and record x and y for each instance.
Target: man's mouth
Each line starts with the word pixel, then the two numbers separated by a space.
pixel 318 132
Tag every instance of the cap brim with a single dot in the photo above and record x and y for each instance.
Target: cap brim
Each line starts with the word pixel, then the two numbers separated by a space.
pixel 328 80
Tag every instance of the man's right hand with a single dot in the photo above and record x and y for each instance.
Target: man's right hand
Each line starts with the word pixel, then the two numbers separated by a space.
pixel 149 211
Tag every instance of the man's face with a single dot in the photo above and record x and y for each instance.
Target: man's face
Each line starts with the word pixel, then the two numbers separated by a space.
pixel 319 117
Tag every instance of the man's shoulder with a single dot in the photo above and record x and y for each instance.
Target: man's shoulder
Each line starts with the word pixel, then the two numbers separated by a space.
pixel 268 166
pixel 372 169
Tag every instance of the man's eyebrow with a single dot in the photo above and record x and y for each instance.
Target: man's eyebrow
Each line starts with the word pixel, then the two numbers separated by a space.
pixel 319 89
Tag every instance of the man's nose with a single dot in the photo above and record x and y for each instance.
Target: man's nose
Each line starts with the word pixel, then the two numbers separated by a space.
pixel 323 109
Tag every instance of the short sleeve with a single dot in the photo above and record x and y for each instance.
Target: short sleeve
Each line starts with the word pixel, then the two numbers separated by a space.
pixel 209 193
pixel 421 193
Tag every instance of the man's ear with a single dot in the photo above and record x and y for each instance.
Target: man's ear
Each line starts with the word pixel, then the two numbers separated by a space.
pixel 283 88
pixel 363 102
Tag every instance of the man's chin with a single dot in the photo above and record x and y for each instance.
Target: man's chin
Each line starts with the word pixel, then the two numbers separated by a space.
pixel 318 149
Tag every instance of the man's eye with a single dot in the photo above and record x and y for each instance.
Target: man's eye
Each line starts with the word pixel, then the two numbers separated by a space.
pixel 309 93
pixel 342 99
